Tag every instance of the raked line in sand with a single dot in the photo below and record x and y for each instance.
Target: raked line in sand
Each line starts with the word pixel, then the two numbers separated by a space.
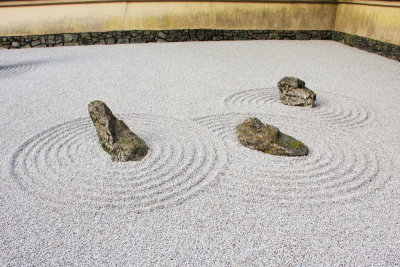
pixel 341 165
pixel 65 165
pixel 15 69
pixel 333 109
pixel 199 198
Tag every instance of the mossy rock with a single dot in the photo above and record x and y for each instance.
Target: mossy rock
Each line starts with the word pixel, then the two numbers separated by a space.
pixel 252 133
pixel 115 136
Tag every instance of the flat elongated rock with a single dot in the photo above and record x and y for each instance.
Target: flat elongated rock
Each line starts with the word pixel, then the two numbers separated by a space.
pixel 292 92
pixel 252 133
pixel 115 136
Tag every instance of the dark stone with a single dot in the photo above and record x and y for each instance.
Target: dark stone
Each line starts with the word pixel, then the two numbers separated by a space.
pixel 115 136
pixel 228 33
pixel 243 34
pixel 262 36
pixel 193 34
pixel 268 139
pixel 182 38
pixel 274 36
pixel 35 43
pixel 303 36
pixel 86 41
pixel 70 37
pixel 201 35
pixel 138 36
pixel 15 44
pixel 86 36
pixel 110 41
pixel 123 41
pixel 292 92
pixel 162 35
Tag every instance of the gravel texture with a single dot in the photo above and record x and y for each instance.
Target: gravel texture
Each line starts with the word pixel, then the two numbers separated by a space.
pixel 199 198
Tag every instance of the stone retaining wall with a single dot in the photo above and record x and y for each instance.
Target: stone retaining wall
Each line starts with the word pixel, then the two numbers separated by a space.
pixel 384 49
pixel 125 37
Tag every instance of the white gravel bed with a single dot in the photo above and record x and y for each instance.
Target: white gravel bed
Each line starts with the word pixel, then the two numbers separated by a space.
pixel 199 198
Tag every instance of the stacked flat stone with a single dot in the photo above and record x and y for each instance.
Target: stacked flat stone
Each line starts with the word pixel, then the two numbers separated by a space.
pixel 292 92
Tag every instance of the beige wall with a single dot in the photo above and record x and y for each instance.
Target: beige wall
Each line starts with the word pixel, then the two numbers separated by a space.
pixel 376 22
pixel 224 15
pixel 61 18
pixel 164 15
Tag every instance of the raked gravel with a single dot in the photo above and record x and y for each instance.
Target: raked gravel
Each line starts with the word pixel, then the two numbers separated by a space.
pixel 199 198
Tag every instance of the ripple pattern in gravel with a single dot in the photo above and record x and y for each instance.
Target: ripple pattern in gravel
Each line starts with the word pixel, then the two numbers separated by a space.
pixel 340 166
pixel 336 110
pixel 9 71
pixel 65 165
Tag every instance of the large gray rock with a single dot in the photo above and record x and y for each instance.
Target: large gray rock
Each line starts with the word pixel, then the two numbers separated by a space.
pixel 114 135
pixel 292 92
pixel 268 139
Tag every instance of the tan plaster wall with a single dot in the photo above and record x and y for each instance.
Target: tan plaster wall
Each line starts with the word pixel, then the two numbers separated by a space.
pixel 164 15
pixel 61 18
pixel 376 22
pixel 225 15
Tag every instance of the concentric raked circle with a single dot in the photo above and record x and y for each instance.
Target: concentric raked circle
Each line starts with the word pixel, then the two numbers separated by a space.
pixel 66 165
pixel 9 71
pixel 341 165
pixel 333 109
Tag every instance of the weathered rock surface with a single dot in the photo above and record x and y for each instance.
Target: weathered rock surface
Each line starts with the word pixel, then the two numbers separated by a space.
pixel 114 135
pixel 292 92
pixel 252 133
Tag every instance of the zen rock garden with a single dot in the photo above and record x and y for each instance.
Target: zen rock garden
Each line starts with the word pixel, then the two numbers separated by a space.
pixel 115 136
pixel 124 145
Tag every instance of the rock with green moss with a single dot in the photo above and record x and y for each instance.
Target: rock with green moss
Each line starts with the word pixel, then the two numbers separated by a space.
pixel 115 136
pixel 292 92
pixel 252 133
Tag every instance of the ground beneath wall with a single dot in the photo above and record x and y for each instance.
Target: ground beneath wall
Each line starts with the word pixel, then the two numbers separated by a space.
pixel 199 198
